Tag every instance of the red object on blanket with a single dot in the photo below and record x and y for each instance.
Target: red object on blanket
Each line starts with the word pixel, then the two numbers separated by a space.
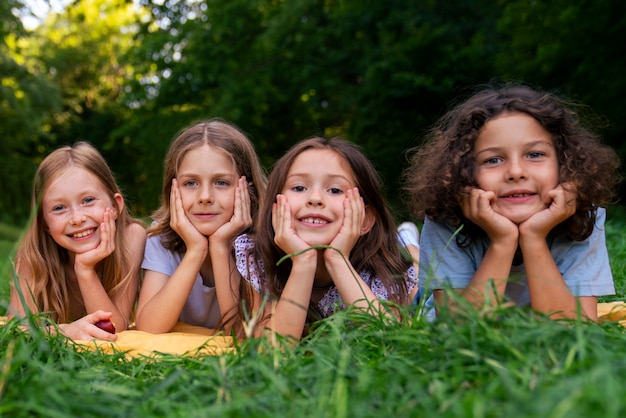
pixel 106 325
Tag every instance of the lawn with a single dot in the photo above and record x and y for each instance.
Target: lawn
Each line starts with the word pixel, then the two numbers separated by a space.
pixel 516 365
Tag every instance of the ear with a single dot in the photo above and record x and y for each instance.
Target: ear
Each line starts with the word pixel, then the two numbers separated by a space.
pixel 368 221
pixel 119 203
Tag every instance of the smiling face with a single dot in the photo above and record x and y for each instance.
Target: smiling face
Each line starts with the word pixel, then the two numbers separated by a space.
pixel 315 188
pixel 73 208
pixel 207 180
pixel 516 159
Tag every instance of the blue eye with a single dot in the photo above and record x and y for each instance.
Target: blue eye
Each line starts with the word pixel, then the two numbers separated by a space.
pixel 335 190
pixel 222 183
pixel 190 183
pixel 535 154
pixel 89 199
pixel 57 208
pixel 298 188
pixel 493 160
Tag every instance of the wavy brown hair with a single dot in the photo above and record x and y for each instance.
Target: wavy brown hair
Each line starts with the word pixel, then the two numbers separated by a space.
pixel 46 260
pixel 216 133
pixel 377 251
pixel 444 165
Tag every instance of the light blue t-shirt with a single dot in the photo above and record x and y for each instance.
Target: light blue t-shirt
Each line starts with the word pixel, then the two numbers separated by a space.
pixel 584 265
pixel 201 307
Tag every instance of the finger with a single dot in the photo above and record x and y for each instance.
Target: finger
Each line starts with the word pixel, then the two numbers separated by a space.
pixel 245 201
pixel 286 214
pixel 98 315
pixel 348 211
pixel 105 236
pixel 275 216
pixel 173 203
pixel 484 200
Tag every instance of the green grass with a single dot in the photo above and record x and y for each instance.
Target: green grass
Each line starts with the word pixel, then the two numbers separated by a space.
pixel 517 365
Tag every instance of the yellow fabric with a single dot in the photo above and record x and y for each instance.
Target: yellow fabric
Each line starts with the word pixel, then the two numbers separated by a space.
pixel 612 311
pixel 184 339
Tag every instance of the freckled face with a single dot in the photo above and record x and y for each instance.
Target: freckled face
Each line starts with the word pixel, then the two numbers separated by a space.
pixel 316 188
pixel 516 159
pixel 207 180
pixel 73 208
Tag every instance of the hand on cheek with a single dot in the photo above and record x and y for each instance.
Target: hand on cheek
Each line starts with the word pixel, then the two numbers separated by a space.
pixel 180 222
pixel 353 218
pixel 106 246
pixel 285 235
pixel 241 219
pixel 477 206
pixel 560 205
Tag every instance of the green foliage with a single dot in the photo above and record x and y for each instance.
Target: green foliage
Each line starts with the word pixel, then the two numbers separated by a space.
pixel 352 365
pixel 26 98
pixel 128 76
pixel 570 47
pixel 514 364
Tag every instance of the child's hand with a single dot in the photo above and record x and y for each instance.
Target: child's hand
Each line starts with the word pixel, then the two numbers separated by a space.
pixel 353 216
pixel 561 204
pixel 477 207
pixel 283 223
pixel 241 219
pixel 106 246
pixel 85 328
pixel 180 222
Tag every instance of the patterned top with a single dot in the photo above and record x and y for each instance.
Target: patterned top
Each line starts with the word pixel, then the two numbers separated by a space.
pixel 254 273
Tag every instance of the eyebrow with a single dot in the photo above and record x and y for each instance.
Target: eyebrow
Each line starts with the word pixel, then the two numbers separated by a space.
pixel 528 145
pixel 192 174
pixel 331 176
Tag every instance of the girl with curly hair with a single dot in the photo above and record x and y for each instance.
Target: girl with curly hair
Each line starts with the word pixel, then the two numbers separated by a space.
pixel 512 190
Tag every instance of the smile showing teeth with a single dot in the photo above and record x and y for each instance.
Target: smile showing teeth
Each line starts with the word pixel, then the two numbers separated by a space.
pixel 83 233
pixel 316 221
pixel 519 195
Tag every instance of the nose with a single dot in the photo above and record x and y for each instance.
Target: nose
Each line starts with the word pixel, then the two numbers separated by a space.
pixel 516 170
pixel 314 198
pixel 77 216
pixel 206 195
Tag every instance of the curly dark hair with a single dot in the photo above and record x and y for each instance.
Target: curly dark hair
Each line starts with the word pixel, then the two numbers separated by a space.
pixel 442 168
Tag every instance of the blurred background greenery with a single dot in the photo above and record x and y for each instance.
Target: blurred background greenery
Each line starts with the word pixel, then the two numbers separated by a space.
pixel 127 75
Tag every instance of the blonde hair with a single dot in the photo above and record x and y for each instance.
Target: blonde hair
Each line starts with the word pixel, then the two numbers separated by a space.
pixel 216 133
pixel 46 260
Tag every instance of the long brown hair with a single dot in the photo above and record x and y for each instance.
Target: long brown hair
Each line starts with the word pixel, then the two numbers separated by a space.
pixel 46 260
pixel 442 168
pixel 216 133
pixel 377 251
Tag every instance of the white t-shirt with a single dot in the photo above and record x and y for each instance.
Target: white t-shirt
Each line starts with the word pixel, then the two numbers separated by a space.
pixel 201 307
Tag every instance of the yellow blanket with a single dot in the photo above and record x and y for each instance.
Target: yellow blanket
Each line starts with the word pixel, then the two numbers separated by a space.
pixel 185 339
pixel 612 311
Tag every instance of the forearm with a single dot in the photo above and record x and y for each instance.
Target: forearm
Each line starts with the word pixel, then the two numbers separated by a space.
pixel 488 284
pixel 548 291
pixel 353 290
pixel 96 298
pixel 226 276
pixel 290 312
pixel 160 304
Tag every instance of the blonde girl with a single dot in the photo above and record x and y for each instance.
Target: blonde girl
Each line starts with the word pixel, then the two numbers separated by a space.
pixel 79 260
pixel 211 187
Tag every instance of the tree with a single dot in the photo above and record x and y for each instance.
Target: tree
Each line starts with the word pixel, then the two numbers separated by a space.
pixel 27 98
